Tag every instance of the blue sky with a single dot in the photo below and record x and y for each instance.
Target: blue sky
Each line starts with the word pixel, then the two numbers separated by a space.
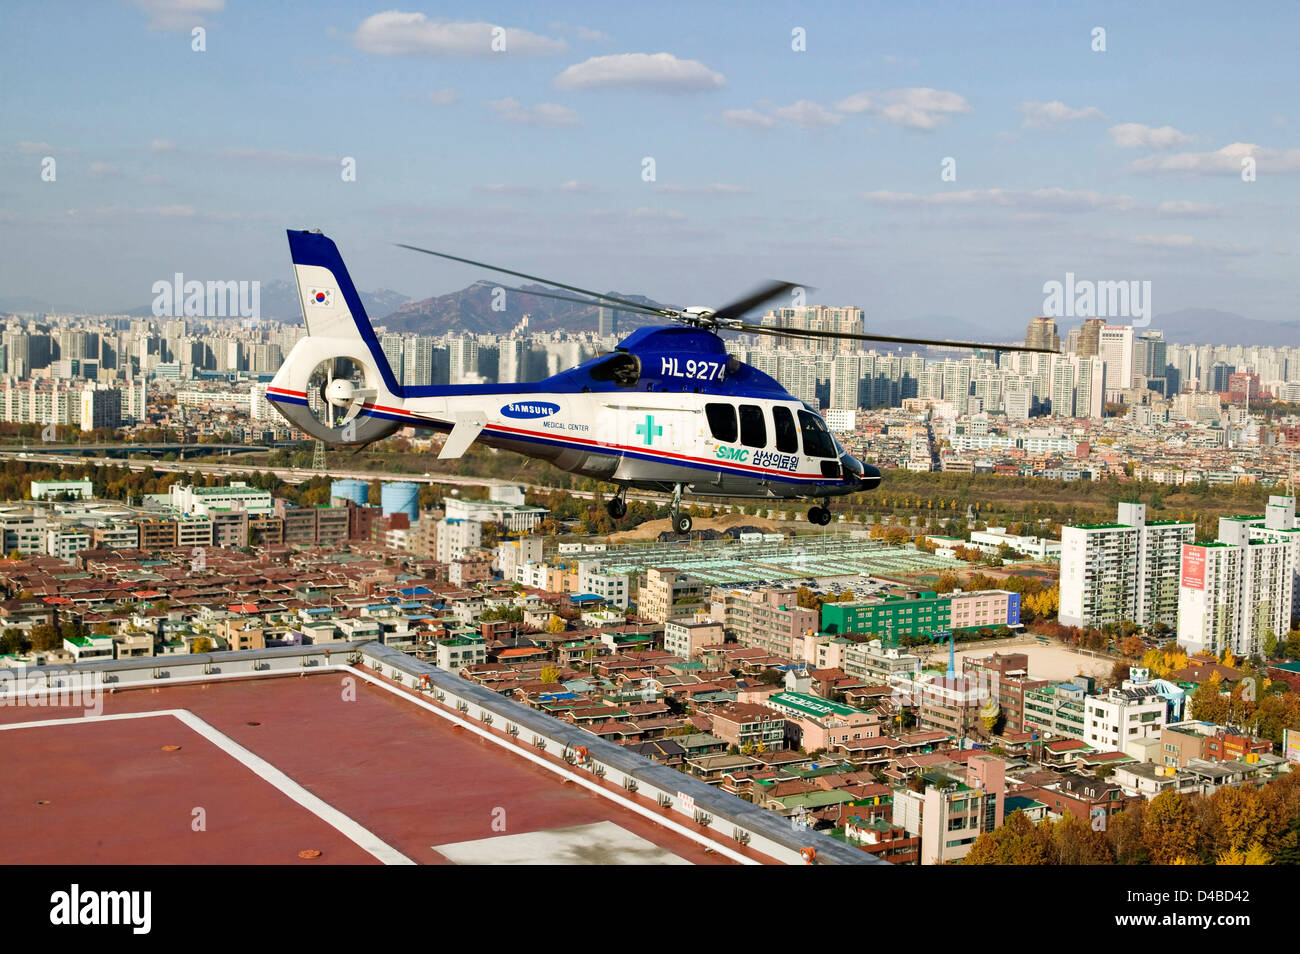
pixel 820 166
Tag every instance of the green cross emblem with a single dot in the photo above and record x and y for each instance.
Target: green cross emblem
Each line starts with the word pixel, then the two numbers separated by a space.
pixel 649 429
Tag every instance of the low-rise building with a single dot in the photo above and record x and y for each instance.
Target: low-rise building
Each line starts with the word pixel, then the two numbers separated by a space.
pixel 687 637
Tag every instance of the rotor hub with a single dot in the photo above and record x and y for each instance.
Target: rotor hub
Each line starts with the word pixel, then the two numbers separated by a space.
pixel 340 392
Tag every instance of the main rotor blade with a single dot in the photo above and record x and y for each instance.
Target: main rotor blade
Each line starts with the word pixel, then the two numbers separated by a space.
pixel 643 310
pixel 666 313
pixel 751 301
pixel 889 339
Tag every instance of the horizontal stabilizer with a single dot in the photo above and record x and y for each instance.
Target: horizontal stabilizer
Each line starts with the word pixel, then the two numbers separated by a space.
pixel 467 427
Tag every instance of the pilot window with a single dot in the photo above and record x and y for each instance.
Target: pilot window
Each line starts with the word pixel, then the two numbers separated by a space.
pixel 816 439
pixel 753 429
pixel 722 422
pixel 787 435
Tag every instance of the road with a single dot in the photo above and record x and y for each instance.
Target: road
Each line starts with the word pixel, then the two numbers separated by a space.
pixel 296 475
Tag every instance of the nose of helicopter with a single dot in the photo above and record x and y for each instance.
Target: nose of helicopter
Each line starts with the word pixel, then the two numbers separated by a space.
pixel 865 474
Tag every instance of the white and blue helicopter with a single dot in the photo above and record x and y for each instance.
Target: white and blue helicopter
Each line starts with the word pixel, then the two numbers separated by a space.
pixel 669 410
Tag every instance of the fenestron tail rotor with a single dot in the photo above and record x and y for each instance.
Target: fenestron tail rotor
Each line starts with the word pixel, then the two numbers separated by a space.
pixel 336 392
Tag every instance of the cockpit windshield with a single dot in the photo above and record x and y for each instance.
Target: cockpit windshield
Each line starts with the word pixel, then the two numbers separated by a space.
pixel 817 441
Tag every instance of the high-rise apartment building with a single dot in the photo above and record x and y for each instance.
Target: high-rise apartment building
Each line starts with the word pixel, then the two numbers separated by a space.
pixel 1127 570
pixel 1235 591
pixel 1042 333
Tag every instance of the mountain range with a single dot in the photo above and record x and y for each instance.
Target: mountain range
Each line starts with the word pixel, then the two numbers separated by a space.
pixel 480 309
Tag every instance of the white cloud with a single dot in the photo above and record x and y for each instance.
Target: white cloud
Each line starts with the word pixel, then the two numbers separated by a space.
pixel 35 148
pixel 162 145
pixel 442 97
pixel 505 188
pixel 1138 136
pixel 576 187
pixel 1188 209
pixel 596 36
pixel 395 33
pixel 1051 115
pixel 913 107
pixel 807 115
pixel 715 188
pixel 178 14
pixel 658 215
pixel 1032 200
pixel 751 118
pixel 277 156
pixel 1164 241
pixel 104 170
pixel 662 72
pixel 510 110
pixel 1227 160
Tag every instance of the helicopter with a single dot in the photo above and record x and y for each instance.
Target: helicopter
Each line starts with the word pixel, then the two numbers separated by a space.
pixel 669 410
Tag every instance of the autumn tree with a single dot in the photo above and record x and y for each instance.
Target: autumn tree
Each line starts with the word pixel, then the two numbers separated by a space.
pixel 1169 830
pixel 1124 833
pixel 1077 843
pixel 45 638
pixel 1131 646
pixel 1018 842
pixel 1238 818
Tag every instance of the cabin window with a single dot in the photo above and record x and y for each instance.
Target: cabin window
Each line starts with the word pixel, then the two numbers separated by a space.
pixel 722 422
pixel 787 435
pixel 753 428
pixel 816 439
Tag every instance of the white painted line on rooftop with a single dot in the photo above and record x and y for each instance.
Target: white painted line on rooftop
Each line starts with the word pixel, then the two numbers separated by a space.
pixel 354 832
pixel 575 777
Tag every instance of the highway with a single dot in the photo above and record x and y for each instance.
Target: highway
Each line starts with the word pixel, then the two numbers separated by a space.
pixel 294 475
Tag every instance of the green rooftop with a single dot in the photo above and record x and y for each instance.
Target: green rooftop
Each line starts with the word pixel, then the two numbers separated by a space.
pixel 812 705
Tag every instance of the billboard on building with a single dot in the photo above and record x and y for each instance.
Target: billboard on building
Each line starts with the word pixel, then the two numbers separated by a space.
pixel 1193 567
pixel 1291 745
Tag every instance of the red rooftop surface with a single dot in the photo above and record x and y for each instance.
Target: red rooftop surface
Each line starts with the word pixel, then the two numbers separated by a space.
pixel 111 792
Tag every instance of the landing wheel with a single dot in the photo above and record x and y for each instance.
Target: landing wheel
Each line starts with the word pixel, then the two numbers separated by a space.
pixel 820 516
pixel 682 523
pixel 616 508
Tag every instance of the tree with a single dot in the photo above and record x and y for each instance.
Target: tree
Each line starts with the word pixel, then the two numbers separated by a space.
pixel 1124 832
pixel 549 674
pixel 1169 831
pixel 1254 855
pixel 1078 843
pixel 555 625
pixel 201 645
pixel 1017 842
pixel 13 641
pixel 45 638
pixel 1239 819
